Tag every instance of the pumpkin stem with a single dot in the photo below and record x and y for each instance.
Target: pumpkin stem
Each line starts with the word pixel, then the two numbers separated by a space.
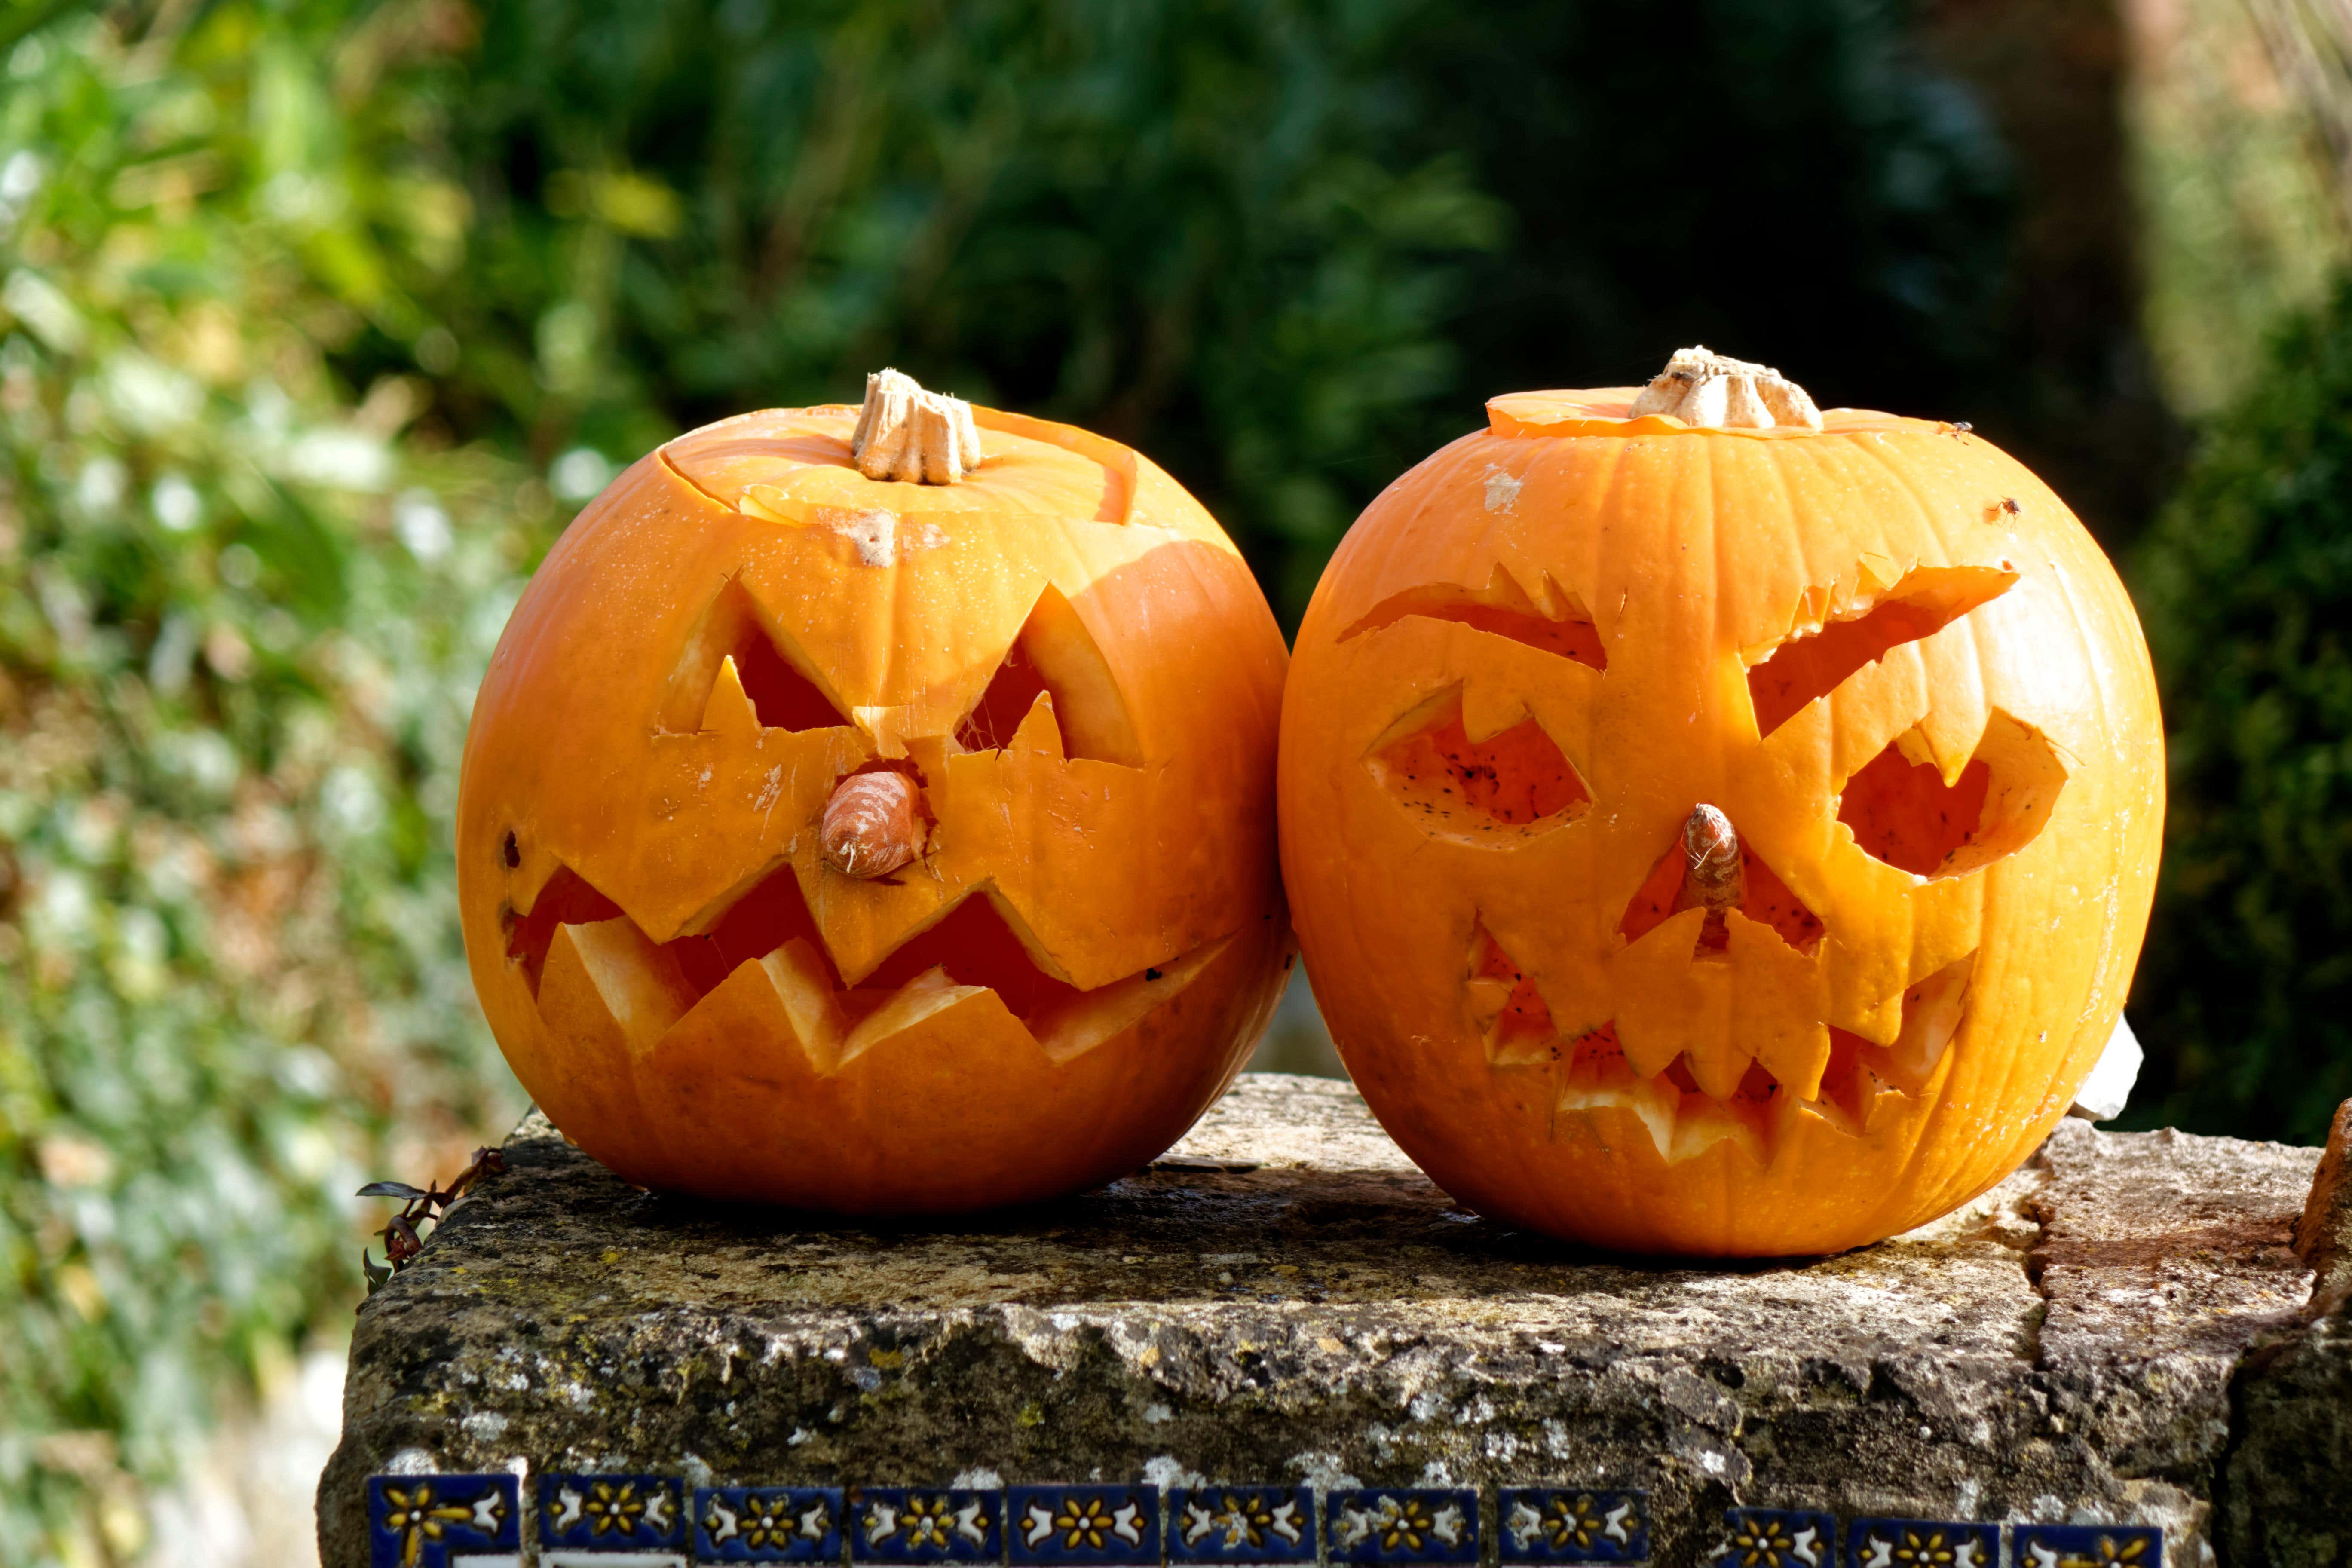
pixel 1712 847
pixel 905 433
pixel 870 827
pixel 1702 388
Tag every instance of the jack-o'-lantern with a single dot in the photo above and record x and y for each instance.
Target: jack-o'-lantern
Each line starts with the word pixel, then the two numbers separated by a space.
pixel 1716 826
pixel 873 810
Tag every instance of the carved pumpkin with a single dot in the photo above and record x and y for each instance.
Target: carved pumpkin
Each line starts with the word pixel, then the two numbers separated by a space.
pixel 878 844
pixel 1728 831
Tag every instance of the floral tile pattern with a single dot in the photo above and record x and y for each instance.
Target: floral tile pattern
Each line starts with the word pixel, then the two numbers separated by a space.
pixel 1921 1543
pixel 423 1522
pixel 1082 1524
pixel 2086 1546
pixel 1401 1524
pixel 611 1513
pixel 1776 1538
pixel 1241 1524
pixel 767 1524
pixel 1548 1524
pixel 646 1521
pixel 916 1524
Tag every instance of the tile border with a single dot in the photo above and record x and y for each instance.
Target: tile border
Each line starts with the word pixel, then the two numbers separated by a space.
pixel 1401 1524
pixel 924 1524
pixel 786 1524
pixel 608 1512
pixel 585 1519
pixel 1876 1542
pixel 1091 1523
pixel 1261 1524
pixel 428 1521
pixel 1572 1525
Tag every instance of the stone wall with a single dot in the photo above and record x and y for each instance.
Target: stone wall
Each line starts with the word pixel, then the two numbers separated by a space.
pixel 2117 1336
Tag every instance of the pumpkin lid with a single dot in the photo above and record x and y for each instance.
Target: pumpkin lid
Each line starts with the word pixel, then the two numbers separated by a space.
pixel 905 451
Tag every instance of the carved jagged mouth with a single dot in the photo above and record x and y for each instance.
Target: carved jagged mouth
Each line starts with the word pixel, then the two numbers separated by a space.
pixel 1684 1120
pixel 1681 1117
pixel 582 957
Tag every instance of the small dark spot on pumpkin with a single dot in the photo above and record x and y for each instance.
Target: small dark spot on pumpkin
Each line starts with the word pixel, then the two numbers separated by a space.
pixel 510 851
pixel 1151 974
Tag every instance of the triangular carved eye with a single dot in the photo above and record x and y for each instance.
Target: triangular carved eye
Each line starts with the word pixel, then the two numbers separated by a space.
pixel 1496 791
pixel 1056 653
pixel 1812 663
pixel 768 671
pixel 1558 625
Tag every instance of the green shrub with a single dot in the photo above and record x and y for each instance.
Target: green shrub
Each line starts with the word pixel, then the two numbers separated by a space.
pixel 2245 998
pixel 241 620
pixel 1284 245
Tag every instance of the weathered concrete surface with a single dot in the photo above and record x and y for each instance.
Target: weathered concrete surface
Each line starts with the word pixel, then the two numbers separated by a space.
pixel 1287 1295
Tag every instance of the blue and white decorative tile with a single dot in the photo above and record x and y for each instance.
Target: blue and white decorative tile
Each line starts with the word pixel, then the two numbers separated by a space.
pixel 436 1521
pixel 1921 1543
pixel 767 1524
pixel 1082 1524
pixel 610 1513
pixel 1401 1524
pixel 1560 1524
pixel 2086 1546
pixel 1776 1538
pixel 1241 1524
pixel 916 1524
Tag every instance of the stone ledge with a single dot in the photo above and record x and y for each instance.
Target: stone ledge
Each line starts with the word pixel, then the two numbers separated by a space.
pixel 1286 1300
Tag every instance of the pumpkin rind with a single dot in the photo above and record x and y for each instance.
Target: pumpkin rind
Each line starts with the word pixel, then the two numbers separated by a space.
pixel 1122 834
pixel 1557 1055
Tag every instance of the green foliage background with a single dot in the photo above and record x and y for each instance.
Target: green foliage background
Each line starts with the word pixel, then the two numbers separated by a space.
pixel 2245 585
pixel 241 617
pixel 318 316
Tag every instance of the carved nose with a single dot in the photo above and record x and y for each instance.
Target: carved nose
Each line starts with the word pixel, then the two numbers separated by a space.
pixel 871 826
pixel 1711 850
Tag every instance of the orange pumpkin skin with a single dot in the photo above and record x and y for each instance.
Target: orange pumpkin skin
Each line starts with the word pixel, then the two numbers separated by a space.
pixel 1093 936
pixel 1540 650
